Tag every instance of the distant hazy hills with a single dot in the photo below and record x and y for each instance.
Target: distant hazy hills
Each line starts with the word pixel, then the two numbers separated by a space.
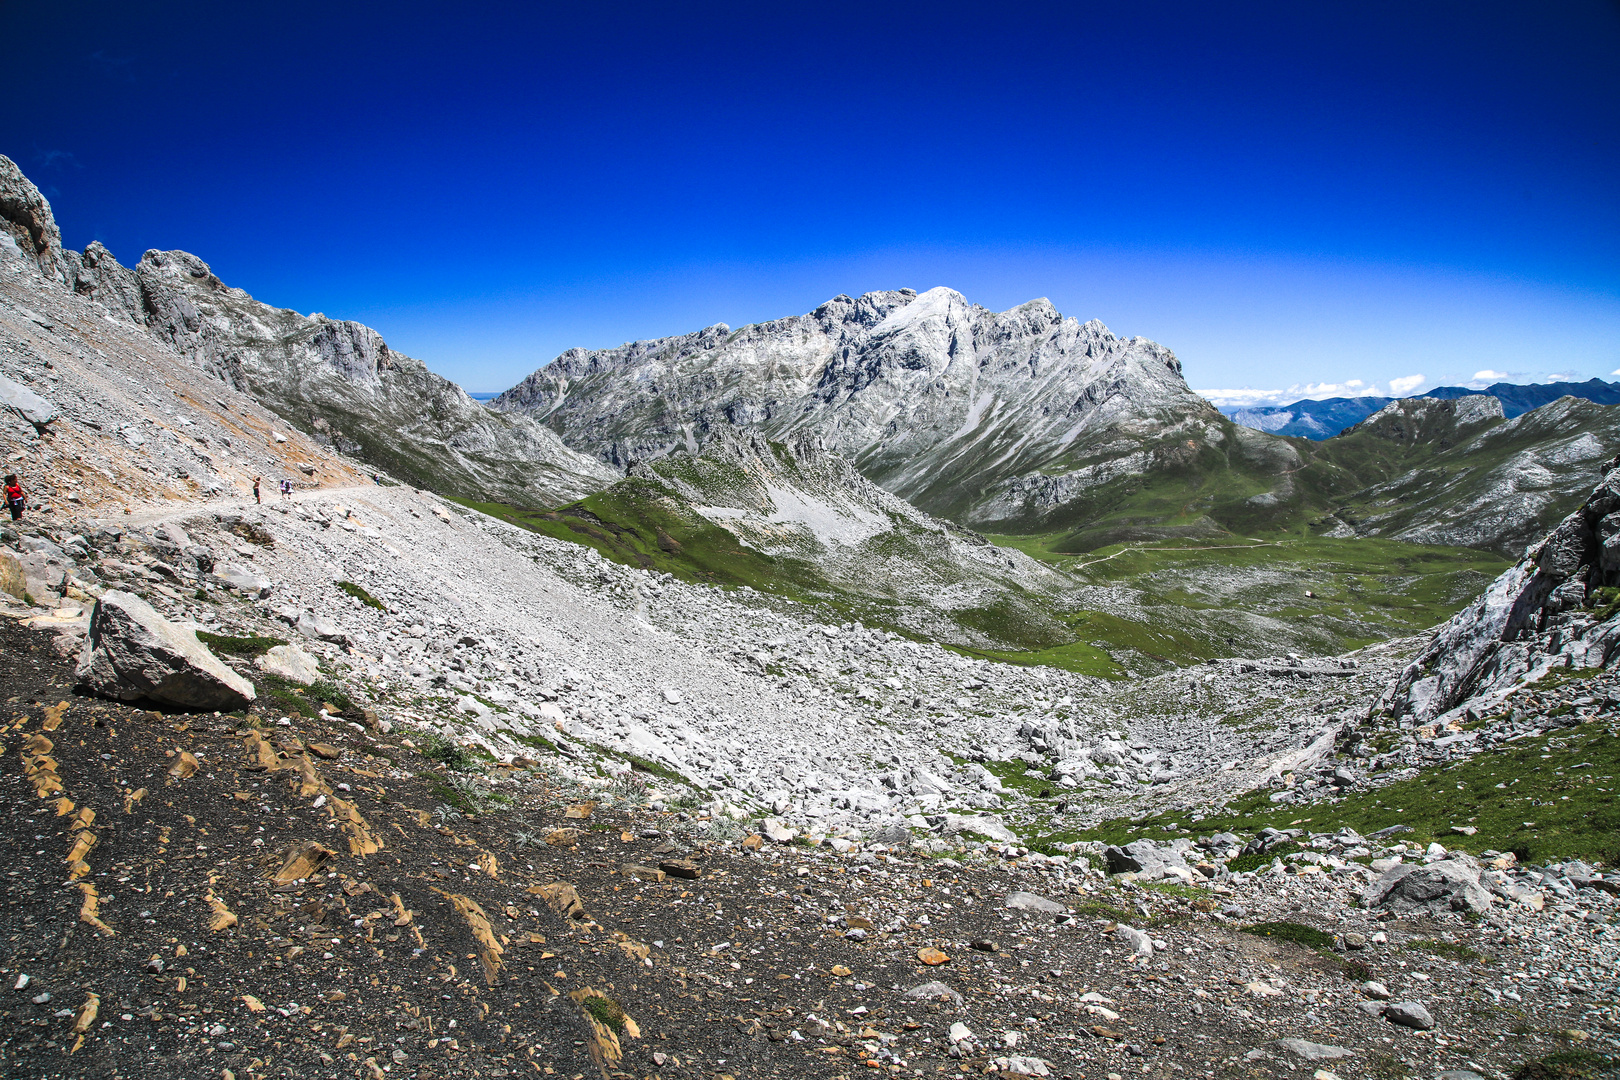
pixel 1326 418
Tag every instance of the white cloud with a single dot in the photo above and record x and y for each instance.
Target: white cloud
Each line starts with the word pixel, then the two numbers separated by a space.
pixel 1562 376
pixel 1405 385
pixel 1489 376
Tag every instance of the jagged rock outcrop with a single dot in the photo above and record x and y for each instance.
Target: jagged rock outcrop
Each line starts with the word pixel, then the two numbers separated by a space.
pixel 27 227
pixel 336 380
pixel 983 417
pixel 1554 608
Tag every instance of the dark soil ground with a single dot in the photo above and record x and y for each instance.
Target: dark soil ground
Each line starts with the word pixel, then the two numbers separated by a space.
pixel 756 967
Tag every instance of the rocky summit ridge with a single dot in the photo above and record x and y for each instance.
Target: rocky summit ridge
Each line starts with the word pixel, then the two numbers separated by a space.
pixel 955 408
pixel 336 380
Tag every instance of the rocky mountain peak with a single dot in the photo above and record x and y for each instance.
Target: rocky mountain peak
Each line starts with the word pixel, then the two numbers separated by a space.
pixel 935 398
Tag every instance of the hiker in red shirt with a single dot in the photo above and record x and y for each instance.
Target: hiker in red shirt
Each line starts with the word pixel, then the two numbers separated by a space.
pixel 16 501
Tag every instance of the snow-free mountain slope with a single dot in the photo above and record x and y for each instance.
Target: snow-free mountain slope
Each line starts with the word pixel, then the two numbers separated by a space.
pixel 336 380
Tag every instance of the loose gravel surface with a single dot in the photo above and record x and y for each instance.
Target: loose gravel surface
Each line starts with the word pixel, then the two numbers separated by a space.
pixel 771 960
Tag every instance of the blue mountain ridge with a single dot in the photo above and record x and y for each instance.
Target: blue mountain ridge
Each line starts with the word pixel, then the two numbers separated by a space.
pixel 1326 418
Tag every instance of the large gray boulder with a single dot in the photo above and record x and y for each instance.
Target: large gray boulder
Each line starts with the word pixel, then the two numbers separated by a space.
pixel 1145 859
pixel 26 404
pixel 318 628
pixel 135 654
pixel 1450 884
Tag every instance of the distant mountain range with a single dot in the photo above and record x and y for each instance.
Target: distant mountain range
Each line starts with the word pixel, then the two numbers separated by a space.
pixel 1020 422
pixel 1326 418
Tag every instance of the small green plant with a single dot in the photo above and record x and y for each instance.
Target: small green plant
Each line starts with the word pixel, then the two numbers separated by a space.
pixel 199 595
pixel 436 747
pixel 1605 602
pixel 325 691
pixel 446 813
pixel 479 793
pixel 628 787
pixel 605 1011
pixel 361 595
pixel 253 645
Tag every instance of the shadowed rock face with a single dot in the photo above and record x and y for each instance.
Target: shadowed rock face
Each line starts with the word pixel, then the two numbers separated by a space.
pixel 1532 619
pixel 949 405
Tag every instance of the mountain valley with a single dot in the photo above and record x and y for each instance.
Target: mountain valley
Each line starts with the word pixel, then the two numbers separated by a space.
pixel 899 688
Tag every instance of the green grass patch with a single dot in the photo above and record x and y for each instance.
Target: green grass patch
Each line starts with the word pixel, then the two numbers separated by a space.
pixel 1452 950
pixel 1576 1064
pixel 646 765
pixel 226 645
pixel 361 595
pixel 1308 937
pixel 534 742
pixel 1298 933
pixel 1545 808
pixel 605 1011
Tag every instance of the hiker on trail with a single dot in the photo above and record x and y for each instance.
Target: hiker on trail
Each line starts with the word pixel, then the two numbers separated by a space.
pixel 286 489
pixel 256 491
pixel 16 501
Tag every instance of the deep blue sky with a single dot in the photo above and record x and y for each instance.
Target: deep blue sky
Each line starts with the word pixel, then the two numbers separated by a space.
pixel 1284 194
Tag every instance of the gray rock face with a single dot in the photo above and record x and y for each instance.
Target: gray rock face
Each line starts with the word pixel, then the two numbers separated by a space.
pixel 134 654
pixel 1529 620
pixel 1451 884
pixel 243 580
pixel 1492 484
pixel 26 218
pixel 967 413
pixel 341 383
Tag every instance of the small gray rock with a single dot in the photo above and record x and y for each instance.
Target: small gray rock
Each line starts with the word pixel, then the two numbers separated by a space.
pixel 1028 901
pixel 934 991
pixel 1409 1014
pixel 1313 1051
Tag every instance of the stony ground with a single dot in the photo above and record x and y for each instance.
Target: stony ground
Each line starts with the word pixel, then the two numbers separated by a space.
pixel 206 954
